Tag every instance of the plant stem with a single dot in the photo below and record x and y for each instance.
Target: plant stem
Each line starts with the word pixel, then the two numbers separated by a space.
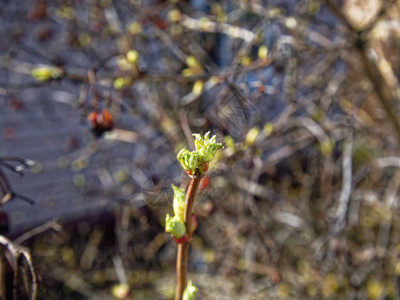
pixel 183 249
pixel 181 270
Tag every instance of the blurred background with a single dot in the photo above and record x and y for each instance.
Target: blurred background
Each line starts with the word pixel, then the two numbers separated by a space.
pixel 302 203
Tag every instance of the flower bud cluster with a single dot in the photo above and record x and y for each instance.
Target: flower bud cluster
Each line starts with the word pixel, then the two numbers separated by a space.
pixel 198 160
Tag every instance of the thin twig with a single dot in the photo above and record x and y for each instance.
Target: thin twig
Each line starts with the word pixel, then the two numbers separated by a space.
pixel 346 186
pixel 383 91
pixel 2 275
pixel 120 269
pixel 210 26
pixel 23 198
pixel 38 230
pixel 16 252
pixel 391 161
pixel 389 200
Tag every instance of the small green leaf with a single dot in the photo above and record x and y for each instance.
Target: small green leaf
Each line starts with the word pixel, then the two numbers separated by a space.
pixel 174 226
pixel 179 202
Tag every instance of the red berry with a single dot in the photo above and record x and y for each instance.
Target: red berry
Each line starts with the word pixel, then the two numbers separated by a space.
pixel 101 122
pixel 92 117
pixel 108 122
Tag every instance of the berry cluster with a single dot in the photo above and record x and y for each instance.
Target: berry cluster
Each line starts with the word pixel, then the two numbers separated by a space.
pixel 101 122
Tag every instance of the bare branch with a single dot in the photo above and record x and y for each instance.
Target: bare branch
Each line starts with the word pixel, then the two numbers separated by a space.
pixel 17 252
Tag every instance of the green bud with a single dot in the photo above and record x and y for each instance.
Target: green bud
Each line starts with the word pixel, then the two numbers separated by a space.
pixel 252 136
pixel 174 226
pixel 192 62
pixel 204 153
pixel 230 142
pixel 46 73
pixel 174 15
pixel 326 147
pixel 188 160
pixel 268 129
pixel 120 291
pixel 206 147
pixel 179 202
pixel 132 56
pixel 263 52
pixel 190 291
pixel 122 82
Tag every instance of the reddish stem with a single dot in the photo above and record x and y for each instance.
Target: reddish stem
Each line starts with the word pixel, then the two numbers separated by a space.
pixel 183 249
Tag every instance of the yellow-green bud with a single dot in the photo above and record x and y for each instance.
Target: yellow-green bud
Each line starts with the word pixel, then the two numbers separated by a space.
pixel 46 73
pixel 206 147
pixel 179 202
pixel 122 82
pixel 132 56
pixel 174 226
pixel 188 160
pixel 263 52
pixel 190 291
pixel 192 62
pixel 198 87
pixel 174 15
pixel 268 129
pixel 204 153
pixel 252 136
pixel 120 291
pixel 135 28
